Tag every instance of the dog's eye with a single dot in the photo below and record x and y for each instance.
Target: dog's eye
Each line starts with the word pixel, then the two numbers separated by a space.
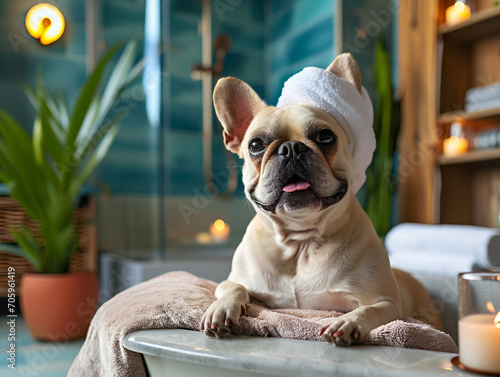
pixel 325 137
pixel 256 146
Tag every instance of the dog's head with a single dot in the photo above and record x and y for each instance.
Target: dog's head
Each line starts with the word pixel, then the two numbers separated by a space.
pixel 296 157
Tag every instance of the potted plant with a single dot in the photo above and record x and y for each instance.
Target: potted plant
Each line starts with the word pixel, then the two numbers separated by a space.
pixel 44 173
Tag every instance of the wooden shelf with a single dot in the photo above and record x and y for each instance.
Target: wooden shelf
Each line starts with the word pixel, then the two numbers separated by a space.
pixel 470 157
pixel 482 24
pixel 451 116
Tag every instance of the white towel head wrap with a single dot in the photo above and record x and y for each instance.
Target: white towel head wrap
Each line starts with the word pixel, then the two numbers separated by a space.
pixel 342 100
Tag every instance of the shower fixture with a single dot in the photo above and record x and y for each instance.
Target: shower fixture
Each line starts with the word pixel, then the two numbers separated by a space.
pixel 222 42
pixel 206 72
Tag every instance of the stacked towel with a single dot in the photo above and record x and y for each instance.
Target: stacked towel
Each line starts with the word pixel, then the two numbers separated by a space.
pixel 487 139
pixel 482 97
pixel 443 249
pixel 342 100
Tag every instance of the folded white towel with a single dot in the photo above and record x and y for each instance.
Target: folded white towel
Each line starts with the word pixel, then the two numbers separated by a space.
pixel 484 105
pixel 430 263
pixel 482 93
pixel 480 245
pixel 342 100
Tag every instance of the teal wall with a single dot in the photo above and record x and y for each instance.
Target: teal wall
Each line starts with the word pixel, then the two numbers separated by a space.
pixel 300 34
pixel 130 166
pixel 365 21
pixel 244 22
pixel 271 40
pixel 132 163
pixel 62 63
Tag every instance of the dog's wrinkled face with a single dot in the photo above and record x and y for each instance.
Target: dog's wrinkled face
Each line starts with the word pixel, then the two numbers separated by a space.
pixel 296 157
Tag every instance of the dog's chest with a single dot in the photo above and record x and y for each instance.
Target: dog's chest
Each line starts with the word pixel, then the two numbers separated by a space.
pixel 305 291
pixel 325 300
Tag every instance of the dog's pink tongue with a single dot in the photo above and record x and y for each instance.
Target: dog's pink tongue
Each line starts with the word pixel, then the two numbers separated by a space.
pixel 296 186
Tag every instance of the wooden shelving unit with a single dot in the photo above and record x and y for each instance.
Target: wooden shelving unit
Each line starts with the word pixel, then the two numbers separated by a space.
pixel 461 115
pixel 468 55
pixel 482 24
pixel 483 156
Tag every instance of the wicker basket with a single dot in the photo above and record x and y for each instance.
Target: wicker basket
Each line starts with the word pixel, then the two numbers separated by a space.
pixel 12 216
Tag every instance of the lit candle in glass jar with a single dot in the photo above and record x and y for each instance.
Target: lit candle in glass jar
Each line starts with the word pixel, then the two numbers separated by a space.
pixel 457 13
pixel 479 339
pixel 479 321
pixel 456 144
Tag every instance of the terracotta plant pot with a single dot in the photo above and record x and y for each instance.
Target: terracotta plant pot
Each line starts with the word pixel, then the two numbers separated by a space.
pixel 58 307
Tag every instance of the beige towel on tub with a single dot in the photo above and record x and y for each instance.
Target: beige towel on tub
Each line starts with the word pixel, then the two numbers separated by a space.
pixel 179 299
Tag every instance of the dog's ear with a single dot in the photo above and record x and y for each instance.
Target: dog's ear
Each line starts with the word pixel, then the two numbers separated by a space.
pixel 346 67
pixel 236 104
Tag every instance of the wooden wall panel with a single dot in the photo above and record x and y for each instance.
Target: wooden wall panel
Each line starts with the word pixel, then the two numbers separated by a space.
pixel 486 62
pixel 417 140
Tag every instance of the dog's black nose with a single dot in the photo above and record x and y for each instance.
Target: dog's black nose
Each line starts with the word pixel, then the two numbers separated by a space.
pixel 292 149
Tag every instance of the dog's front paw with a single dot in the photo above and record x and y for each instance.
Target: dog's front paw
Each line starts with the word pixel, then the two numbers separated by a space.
pixel 343 331
pixel 222 318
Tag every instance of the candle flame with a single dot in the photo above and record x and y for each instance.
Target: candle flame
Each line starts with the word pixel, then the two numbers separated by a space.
pixel 459 6
pixel 219 224
pixel 490 307
pixel 497 320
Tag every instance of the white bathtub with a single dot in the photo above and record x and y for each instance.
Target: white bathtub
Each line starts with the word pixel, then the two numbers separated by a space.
pixel 185 353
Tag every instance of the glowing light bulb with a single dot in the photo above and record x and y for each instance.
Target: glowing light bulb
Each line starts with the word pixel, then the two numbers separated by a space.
pixel 45 22
pixel 219 224
pixel 220 231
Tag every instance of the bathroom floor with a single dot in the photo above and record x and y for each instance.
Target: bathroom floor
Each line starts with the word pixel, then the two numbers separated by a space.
pixel 34 358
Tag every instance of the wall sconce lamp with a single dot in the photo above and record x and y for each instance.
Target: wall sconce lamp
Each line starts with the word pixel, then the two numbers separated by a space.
pixel 45 22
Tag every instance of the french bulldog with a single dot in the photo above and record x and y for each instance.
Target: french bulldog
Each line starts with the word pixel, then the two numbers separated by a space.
pixel 310 244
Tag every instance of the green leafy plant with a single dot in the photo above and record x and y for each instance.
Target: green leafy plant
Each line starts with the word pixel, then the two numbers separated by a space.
pixel 45 172
pixel 380 180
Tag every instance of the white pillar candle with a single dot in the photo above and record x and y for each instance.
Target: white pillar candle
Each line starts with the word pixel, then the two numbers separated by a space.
pixel 479 341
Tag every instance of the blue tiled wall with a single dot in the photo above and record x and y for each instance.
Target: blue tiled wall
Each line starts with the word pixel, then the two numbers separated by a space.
pixel 183 99
pixel 364 21
pixel 300 34
pixel 132 163
pixel 62 63
pixel 271 40
pixel 130 166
